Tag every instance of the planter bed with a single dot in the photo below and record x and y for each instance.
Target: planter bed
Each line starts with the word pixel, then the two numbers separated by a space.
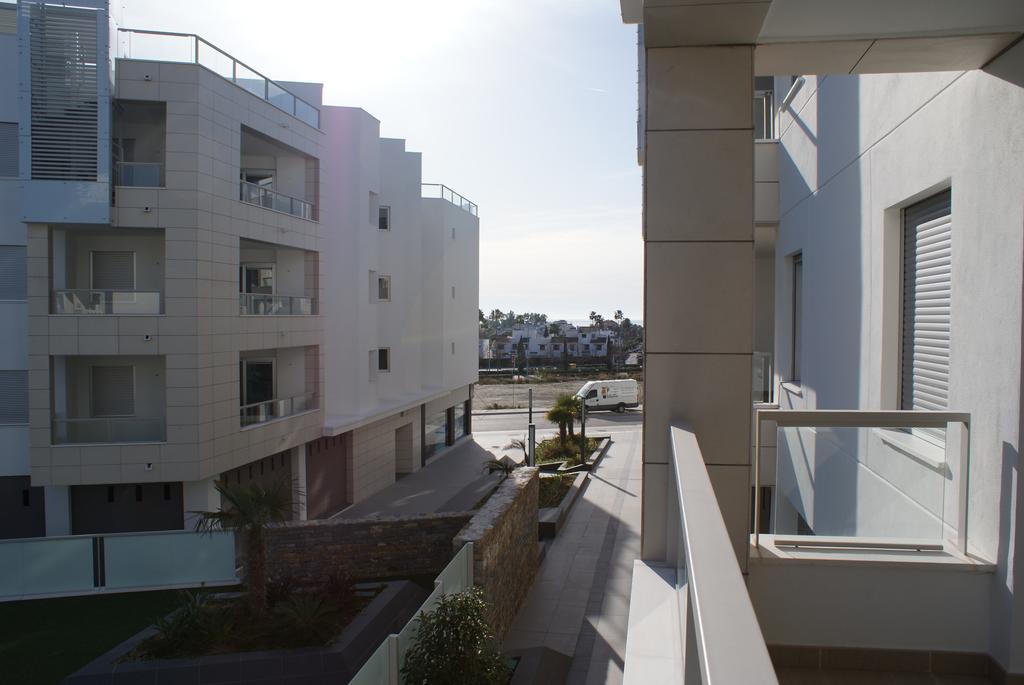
pixel 394 604
pixel 566 466
pixel 551 519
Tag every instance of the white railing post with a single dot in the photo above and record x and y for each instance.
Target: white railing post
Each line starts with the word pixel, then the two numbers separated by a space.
pixel 958 439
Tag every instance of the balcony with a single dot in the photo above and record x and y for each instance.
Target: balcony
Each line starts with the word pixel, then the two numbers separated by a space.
pixel 106 271
pixel 189 48
pixel 254 194
pixel 107 399
pixel 138 143
pixel 275 384
pixel 109 302
pixel 256 304
pixel 443 192
pixel 271 410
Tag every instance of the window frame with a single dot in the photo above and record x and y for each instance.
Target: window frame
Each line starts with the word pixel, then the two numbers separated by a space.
pixel 386 280
pixel 384 212
pixel 385 354
pixel 796 302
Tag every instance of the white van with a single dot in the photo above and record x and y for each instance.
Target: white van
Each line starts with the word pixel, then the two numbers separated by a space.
pixel 616 395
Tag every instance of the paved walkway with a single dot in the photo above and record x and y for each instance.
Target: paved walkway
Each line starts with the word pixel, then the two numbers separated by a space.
pixel 454 481
pixel 579 604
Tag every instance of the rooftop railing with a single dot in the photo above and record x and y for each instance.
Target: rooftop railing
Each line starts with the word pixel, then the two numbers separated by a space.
pixel 165 46
pixel 111 302
pixel 257 304
pixel 721 638
pixel 271 410
pixel 889 480
pixel 254 194
pixel 439 190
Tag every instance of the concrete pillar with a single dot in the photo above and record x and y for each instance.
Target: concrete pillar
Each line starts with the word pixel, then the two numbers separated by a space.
pixel 199 495
pixel 698 264
pixel 299 491
pixel 57 508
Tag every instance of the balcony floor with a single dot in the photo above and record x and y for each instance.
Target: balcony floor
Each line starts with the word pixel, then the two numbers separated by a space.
pixel 579 603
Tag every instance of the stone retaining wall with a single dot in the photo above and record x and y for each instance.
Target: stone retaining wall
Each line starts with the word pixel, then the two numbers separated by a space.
pixel 505 548
pixel 388 547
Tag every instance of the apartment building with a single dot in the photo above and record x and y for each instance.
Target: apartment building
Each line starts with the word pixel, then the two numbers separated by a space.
pixel 210 275
pixel 850 249
pixel 544 342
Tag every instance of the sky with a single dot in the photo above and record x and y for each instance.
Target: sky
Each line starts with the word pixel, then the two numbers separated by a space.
pixel 526 107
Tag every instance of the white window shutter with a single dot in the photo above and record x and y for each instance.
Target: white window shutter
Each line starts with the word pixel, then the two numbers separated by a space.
pixel 927 277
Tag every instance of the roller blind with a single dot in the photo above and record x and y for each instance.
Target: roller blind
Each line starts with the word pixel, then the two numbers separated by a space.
pixel 14 398
pixel 113 391
pixel 927 272
pixel 8 149
pixel 113 270
pixel 13 277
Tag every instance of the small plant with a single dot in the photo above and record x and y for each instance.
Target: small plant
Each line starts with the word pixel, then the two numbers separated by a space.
pixel 279 589
pixel 454 645
pixel 504 466
pixel 306 619
pixel 337 589
pixel 520 444
pixel 182 627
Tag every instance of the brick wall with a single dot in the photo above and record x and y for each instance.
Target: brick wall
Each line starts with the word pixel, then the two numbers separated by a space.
pixel 399 546
pixel 505 551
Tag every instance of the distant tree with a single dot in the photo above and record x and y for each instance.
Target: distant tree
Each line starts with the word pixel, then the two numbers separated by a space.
pixel 596 319
pixel 618 316
pixel 496 316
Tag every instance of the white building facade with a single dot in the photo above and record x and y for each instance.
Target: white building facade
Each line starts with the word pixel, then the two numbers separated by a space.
pixel 224 279
pixel 855 249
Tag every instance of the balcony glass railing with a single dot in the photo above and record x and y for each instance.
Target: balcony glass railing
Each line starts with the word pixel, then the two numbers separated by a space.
pixel 258 195
pixel 139 174
pixel 107 430
pixel 764 115
pixel 84 564
pixel 882 479
pixel 256 304
pixel 262 412
pixel 114 302
pixel 162 46
pixel 439 190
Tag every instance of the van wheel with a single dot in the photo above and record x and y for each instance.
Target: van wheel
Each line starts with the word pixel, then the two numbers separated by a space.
pixel 621 408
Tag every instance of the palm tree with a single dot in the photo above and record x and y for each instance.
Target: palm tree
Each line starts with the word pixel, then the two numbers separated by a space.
pixel 249 509
pixel 561 415
pixel 571 405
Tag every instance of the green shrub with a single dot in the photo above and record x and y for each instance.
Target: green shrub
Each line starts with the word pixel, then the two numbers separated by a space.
pixel 454 645
pixel 306 619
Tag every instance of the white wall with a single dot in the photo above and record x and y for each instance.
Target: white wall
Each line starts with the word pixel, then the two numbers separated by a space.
pixel 855 150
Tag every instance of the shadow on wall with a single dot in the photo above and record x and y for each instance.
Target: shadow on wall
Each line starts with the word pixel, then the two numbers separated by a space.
pixel 825 227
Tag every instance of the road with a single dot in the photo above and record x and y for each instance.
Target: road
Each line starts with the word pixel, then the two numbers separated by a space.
pixel 487 421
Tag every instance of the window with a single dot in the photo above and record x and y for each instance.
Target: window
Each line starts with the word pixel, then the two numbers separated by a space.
pixel 453 233
pixel 384 288
pixel 384 359
pixel 541 347
pixel 384 219
pixel 13 274
pixel 8 149
pixel 113 270
pixel 927 271
pixel 797 327
pixel 453 348
pixel 260 177
pixel 257 381
pixel 257 278
pixel 113 390
pixel 14 398
pixel 453 292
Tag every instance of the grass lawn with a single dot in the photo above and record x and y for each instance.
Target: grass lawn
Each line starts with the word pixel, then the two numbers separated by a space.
pixel 45 640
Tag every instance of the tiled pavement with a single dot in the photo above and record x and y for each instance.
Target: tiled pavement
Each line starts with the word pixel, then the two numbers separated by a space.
pixel 579 603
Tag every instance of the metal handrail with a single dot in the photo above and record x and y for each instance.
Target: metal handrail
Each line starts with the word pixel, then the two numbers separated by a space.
pixel 870 418
pixel 445 193
pixel 285 407
pixel 99 302
pixel 721 629
pixel 254 194
pixel 279 305
pixel 294 105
